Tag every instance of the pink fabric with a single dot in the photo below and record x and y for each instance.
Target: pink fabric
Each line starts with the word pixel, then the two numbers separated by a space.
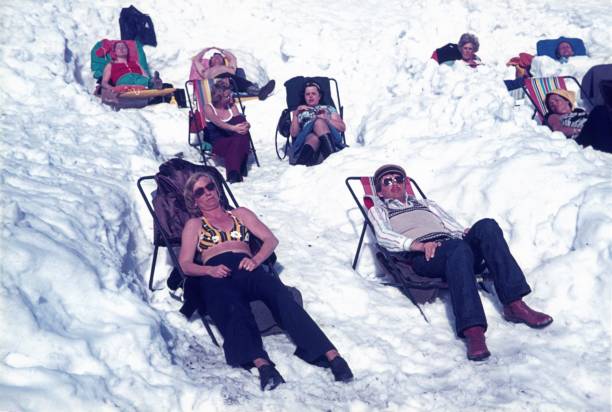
pixel 193 74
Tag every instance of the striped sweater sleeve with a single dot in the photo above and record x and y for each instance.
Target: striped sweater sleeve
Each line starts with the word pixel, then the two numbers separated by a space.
pixel 385 236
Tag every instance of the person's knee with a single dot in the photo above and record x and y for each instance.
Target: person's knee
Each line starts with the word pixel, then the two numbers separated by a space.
pixel 320 125
pixel 460 250
pixel 487 226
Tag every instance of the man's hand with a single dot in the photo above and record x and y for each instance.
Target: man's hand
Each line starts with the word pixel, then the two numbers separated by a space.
pixel 429 248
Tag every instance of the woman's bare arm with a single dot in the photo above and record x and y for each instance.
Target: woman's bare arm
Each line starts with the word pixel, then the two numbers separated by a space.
pixel 259 229
pixel 106 75
pixel 554 122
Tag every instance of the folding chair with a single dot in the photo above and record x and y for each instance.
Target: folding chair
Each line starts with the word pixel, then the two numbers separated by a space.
pixel 196 135
pixel 417 289
pixel 548 47
pixel 536 89
pixel 294 87
pixel 169 215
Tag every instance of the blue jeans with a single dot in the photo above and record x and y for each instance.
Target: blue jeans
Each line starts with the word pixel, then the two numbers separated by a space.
pixel 227 299
pixel 455 261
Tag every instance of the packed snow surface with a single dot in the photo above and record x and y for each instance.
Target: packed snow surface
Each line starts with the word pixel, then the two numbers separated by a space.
pixel 81 331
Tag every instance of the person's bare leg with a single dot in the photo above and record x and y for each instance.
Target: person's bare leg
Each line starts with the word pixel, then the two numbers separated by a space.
pixel 320 127
pixel 313 141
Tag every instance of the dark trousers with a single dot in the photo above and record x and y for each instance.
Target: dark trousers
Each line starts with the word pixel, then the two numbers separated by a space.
pixel 455 259
pixel 232 147
pixel 227 300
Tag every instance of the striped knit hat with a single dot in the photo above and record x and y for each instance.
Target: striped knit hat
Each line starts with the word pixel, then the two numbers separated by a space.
pixel 384 170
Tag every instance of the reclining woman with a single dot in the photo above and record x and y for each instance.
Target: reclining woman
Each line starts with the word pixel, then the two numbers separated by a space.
pixel 228 131
pixel 216 67
pixel 315 128
pixel 230 277
pixel 562 114
pixel 121 71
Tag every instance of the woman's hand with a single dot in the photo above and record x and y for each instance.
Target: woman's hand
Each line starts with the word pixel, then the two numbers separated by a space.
pixel 248 264
pixel 242 128
pixel 219 271
pixel 302 108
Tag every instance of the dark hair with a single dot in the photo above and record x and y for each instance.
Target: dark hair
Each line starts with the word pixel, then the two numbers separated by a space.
pixel 557 55
pixel 312 83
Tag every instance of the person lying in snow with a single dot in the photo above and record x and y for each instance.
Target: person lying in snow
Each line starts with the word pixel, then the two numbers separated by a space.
pixel 437 246
pixel 562 114
pixel 316 129
pixel 564 51
pixel 230 277
pixel 120 71
pixel 216 67
pixel 468 47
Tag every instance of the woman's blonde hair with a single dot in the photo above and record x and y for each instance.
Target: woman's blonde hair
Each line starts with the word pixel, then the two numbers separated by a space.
pixel 192 208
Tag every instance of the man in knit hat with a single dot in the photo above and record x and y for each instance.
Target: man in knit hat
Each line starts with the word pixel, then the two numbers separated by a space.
pixel 437 246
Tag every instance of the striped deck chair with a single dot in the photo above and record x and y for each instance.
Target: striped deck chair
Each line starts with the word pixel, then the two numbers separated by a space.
pixel 197 99
pixel 536 89
pixel 416 288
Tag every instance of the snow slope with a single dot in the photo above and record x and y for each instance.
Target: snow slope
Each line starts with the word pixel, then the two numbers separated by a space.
pixel 81 330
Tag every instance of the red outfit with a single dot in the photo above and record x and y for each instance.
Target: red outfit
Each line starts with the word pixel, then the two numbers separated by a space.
pixel 119 69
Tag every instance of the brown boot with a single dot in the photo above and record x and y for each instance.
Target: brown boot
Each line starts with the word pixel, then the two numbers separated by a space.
pixel 519 312
pixel 476 346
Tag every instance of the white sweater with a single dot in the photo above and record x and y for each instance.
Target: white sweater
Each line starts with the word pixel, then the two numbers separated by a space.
pixel 397 242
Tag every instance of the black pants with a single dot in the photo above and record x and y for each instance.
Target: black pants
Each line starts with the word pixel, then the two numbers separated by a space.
pixel 226 300
pixel 454 261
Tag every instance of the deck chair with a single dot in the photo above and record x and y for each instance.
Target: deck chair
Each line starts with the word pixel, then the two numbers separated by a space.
pixel 129 96
pixel 169 215
pixel 548 47
pixel 196 135
pixel 591 92
pixel 294 88
pixel 417 289
pixel 536 89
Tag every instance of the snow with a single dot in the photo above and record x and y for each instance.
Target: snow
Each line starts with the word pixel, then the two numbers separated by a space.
pixel 82 331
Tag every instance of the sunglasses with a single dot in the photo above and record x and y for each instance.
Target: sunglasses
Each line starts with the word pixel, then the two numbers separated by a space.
pixel 200 190
pixel 388 181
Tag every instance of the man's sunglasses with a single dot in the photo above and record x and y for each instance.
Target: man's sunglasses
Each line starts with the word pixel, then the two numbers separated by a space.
pixel 200 190
pixel 388 181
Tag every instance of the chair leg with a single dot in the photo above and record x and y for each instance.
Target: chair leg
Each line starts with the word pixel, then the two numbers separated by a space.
pixel 359 245
pixel 209 330
pixel 254 151
pixel 153 268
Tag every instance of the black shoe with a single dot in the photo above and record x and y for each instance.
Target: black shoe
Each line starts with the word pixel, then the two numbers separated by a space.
pixel 265 91
pixel 341 370
pixel 269 378
pixel 234 177
pixel 325 148
pixel 306 155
